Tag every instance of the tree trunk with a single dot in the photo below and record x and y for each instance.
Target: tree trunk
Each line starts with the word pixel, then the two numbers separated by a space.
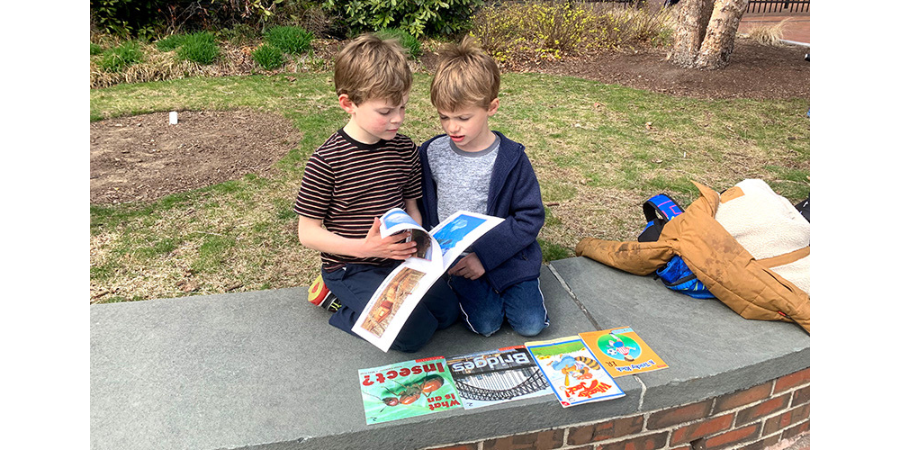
pixel 704 36
pixel 689 32
pixel 719 42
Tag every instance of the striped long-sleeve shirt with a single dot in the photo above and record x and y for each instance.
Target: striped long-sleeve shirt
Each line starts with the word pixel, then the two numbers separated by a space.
pixel 347 184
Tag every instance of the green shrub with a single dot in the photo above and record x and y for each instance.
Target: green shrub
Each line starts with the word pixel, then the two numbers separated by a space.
pixel 199 47
pixel 96 49
pixel 416 17
pixel 548 29
pixel 408 41
pixel 291 40
pixel 268 57
pixel 170 43
pixel 122 56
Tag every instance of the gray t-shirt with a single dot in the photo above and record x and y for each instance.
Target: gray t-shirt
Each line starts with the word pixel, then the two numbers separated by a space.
pixel 462 177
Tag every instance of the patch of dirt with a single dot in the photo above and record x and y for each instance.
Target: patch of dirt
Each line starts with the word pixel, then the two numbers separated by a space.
pixel 143 158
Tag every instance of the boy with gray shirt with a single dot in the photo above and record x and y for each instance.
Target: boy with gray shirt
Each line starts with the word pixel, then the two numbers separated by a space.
pixel 474 169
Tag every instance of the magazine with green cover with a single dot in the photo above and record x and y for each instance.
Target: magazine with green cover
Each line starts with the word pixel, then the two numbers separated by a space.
pixel 407 389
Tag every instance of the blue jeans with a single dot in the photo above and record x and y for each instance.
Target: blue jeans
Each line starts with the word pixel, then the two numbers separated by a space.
pixel 354 286
pixel 484 309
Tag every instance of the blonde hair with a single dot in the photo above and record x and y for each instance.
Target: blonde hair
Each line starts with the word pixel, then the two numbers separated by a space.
pixel 465 76
pixel 372 68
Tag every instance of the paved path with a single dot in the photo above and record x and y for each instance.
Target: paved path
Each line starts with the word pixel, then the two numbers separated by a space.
pixel 796 27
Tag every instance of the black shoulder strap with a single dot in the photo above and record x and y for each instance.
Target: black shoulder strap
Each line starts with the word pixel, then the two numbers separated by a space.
pixel 661 207
pixel 658 210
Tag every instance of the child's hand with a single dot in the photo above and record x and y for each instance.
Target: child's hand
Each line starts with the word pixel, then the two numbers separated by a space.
pixel 391 247
pixel 468 267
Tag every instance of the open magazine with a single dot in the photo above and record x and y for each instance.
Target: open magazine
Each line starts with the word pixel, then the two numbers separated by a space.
pixel 401 291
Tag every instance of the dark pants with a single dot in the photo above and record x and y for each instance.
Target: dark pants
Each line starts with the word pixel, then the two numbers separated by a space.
pixel 354 286
pixel 483 309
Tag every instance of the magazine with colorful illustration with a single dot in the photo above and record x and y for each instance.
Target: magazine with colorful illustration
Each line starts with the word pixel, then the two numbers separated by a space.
pixel 497 376
pixel 393 301
pixel 574 374
pixel 407 389
pixel 622 351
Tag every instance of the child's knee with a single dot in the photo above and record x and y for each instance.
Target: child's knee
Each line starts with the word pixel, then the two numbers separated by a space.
pixel 484 326
pixel 529 322
pixel 531 328
pixel 409 344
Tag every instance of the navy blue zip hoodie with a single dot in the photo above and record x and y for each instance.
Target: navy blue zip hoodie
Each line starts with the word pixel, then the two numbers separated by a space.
pixel 509 252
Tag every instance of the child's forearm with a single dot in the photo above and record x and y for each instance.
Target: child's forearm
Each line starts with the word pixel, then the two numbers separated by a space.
pixel 312 235
pixel 412 208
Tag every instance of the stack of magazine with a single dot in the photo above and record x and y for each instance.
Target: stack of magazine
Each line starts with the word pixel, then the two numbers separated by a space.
pixel 578 369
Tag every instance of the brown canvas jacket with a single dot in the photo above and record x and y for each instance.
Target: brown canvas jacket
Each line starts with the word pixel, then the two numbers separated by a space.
pixel 747 285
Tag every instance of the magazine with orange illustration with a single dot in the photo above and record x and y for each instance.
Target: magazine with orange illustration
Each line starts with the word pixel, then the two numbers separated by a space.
pixel 572 371
pixel 622 351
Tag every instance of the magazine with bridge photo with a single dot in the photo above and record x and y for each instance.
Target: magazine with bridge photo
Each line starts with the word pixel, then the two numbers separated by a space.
pixel 497 376
pixel 399 293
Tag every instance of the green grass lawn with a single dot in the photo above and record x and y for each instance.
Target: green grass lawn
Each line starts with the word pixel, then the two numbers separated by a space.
pixel 599 151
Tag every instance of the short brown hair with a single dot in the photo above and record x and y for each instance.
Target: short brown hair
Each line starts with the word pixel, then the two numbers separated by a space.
pixel 370 67
pixel 466 75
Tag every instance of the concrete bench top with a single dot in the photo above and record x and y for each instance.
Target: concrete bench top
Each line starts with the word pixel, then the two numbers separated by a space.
pixel 264 370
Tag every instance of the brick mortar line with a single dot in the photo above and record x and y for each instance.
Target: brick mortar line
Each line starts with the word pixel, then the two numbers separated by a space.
pixel 646 415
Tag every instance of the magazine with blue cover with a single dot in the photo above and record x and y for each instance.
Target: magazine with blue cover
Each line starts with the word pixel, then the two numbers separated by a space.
pixel 575 376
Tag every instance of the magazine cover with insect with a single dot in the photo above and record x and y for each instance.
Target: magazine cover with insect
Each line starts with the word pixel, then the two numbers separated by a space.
pixel 574 374
pixel 407 389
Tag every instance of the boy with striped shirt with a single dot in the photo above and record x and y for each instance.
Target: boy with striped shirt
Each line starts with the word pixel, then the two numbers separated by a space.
pixel 358 174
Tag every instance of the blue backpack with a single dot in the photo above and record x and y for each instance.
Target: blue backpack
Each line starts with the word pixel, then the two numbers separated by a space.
pixel 675 274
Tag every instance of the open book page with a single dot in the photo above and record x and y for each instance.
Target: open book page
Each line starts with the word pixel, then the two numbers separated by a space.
pixel 399 293
pixel 456 233
pixel 574 374
pixel 397 221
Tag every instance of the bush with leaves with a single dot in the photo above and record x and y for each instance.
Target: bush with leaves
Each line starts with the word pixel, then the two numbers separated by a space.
pixel 416 17
pixel 96 49
pixel 407 41
pixel 121 56
pixel 548 29
pixel 289 39
pixel 268 57
pixel 127 17
pixel 199 47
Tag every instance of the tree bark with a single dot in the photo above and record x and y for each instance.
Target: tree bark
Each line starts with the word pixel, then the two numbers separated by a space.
pixel 715 52
pixel 688 33
pixel 704 36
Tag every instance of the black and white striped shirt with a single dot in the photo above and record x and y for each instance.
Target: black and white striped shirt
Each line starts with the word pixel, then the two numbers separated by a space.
pixel 347 184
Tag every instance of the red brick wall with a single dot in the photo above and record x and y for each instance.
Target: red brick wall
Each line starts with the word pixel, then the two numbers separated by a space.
pixel 751 419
